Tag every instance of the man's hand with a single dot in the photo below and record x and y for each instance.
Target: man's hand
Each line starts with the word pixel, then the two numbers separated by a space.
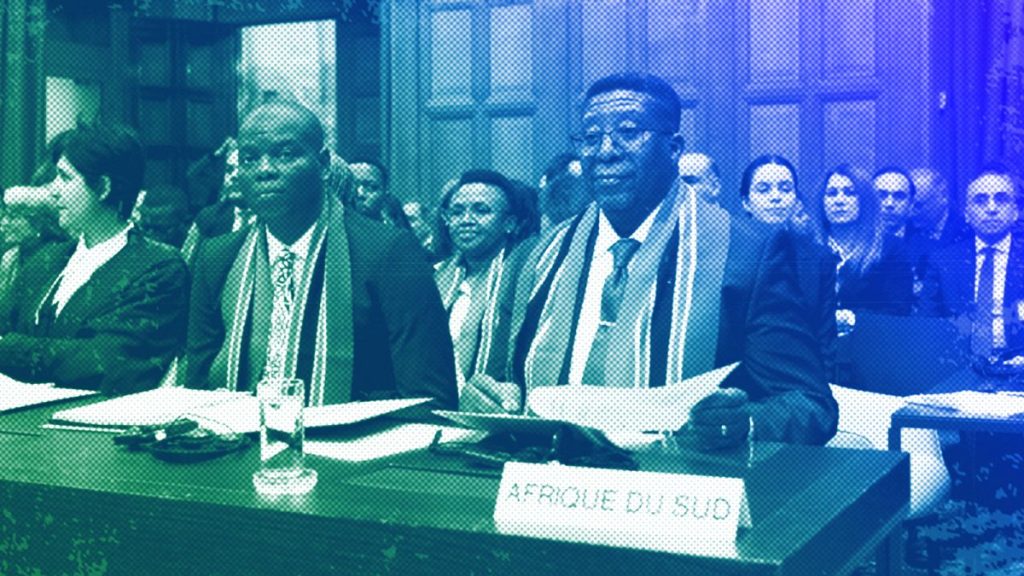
pixel 485 394
pixel 721 420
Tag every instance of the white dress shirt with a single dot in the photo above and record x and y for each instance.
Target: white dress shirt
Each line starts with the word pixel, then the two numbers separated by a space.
pixel 601 266
pixel 83 264
pixel 300 248
pixel 1001 257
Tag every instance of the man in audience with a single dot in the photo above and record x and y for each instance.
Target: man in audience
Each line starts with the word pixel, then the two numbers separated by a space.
pixel 562 193
pixel 651 285
pixel 420 223
pixel 700 171
pixel 370 184
pixel 161 214
pixel 895 192
pixel 313 290
pixel 982 277
pixel 929 214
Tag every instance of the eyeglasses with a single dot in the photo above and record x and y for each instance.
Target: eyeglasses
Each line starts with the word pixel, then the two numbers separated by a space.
pixel 785 186
pixel 478 210
pixel 625 137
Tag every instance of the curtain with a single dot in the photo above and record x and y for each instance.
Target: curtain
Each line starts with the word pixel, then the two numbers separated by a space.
pixel 1003 136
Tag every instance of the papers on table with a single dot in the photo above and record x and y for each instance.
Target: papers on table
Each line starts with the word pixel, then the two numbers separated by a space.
pixel 626 409
pixel 397 440
pixel 973 403
pixel 15 394
pixel 149 408
pixel 220 410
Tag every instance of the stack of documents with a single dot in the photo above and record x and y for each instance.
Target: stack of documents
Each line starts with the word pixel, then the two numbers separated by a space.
pixel 15 395
pixel 973 403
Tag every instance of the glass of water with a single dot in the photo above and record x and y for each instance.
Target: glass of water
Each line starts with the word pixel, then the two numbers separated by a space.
pixel 282 434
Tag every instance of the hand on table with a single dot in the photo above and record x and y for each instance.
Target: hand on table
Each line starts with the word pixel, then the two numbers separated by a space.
pixel 721 420
pixel 485 394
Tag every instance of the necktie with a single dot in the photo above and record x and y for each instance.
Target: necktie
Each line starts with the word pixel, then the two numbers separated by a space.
pixel 282 276
pixel 981 337
pixel 611 298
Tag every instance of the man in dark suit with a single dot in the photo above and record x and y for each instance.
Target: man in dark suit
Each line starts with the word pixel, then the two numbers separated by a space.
pixel 983 277
pixel 652 284
pixel 105 311
pixel 313 290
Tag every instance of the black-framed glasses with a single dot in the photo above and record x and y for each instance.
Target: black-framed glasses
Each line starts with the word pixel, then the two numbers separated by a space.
pixel 625 137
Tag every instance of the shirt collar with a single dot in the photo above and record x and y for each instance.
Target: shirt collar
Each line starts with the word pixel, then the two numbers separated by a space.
pixel 300 247
pixel 606 235
pixel 110 246
pixel 1001 247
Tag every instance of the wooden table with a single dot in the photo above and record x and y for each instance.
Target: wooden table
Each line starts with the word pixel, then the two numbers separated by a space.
pixel 72 503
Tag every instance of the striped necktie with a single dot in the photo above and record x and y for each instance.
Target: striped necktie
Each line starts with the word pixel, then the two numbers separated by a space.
pixel 611 298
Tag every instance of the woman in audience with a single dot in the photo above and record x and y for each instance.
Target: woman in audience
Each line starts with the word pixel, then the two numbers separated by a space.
pixel 485 219
pixel 107 311
pixel 769 194
pixel 871 275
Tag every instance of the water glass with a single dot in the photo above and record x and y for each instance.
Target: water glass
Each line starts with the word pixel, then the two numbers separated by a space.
pixel 282 434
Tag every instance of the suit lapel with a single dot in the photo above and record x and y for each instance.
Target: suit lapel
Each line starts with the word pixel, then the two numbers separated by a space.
pixel 101 290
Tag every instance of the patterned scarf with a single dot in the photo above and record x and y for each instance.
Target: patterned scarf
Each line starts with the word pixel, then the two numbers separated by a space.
pixel 700 259
pixel 333 359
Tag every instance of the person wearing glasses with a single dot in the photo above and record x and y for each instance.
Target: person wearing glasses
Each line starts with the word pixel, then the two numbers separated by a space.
pixel 313 290
pixel 652 284
pixel 485 220
pixel 982 277
pixel 106 310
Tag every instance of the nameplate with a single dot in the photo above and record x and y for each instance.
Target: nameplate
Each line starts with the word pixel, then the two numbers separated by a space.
pixel 538 497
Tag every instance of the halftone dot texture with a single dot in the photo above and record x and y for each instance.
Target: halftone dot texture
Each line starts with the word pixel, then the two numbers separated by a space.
pixel 483 84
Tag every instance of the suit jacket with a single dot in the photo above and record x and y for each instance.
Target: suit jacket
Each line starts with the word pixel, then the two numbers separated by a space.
pixel 949 286
pixel 118 333
pixel 762 323
pixel 402 346
pixel 887 286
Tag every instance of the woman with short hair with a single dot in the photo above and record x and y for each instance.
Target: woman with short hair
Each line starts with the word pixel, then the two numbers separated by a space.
pixel 106 311
pixel 485 219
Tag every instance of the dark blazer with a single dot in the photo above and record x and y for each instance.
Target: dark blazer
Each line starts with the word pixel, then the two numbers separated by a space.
pixel 764 323
pixel 886 287
pixel 949 285
pixel 118 333
pixel 402 346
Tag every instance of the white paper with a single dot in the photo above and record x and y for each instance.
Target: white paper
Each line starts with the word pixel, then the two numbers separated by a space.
pixel 397 440
pixel 242 415
pixel 15 394
pixel 149 408
pixel 626 409
pixel 973 403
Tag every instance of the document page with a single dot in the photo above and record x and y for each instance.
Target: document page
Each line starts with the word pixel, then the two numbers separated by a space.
pixel 973 403
pixel 149 408
pixel 15 394
pixel 626 409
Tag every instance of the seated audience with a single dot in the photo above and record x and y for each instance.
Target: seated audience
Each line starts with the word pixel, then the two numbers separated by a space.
pixel 486 218
pixel 106 312
pixel 229 213
pixel 313 290
pixel 870 275
pixel 613 297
